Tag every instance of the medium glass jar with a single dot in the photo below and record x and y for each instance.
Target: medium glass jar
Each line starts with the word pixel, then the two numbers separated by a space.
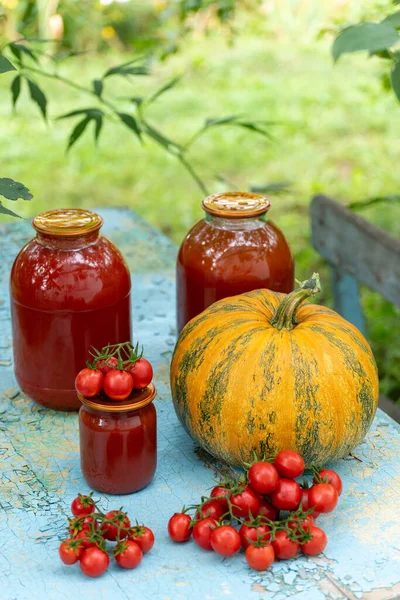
pixel 118 442
pixel 232 251
pixel 70 290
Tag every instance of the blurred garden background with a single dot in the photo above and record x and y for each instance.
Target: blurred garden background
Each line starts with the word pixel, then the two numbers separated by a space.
pixel 210 95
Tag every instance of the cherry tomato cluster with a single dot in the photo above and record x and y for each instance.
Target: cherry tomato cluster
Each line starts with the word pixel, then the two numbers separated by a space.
pixel 116 370
pixel 267 513
pixel 90 529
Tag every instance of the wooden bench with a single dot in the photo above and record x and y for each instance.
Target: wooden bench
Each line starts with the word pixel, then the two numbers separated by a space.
pixel 357 252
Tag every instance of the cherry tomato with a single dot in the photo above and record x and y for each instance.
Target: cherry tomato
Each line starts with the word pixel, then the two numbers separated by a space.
pixel 266 509
pixel 94 562
pixel 142 374
pixel 283 546
pixel 287 495
pixel 305 503
pixel 329 476
pixel 248 532
pixel 128 554
pixel 69 552
pixel 245 503
pixel 289 464
pixel 263 477
pixel 318 542
pixel 83 537
pixel 221 494
pixel 89 382
pixel 212 508
pixel 324 497
pixel 110 530
pixel 118 384
pixel 260 558
pixel 225 540
pixel 202 532
pixel 143 537
pixel 179 527
pixel 107 365
pixel 83 523
pixel 82 505
pixel 301 524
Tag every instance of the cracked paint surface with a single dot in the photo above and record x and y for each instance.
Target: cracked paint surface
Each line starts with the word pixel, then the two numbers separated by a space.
pixel 40 475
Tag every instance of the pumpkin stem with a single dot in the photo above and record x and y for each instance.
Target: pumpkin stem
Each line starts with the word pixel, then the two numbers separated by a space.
pixel 285 314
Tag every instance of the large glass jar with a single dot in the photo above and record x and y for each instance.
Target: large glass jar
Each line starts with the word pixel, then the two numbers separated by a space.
pixel 70 290
pixel 118 442
pixel 232 251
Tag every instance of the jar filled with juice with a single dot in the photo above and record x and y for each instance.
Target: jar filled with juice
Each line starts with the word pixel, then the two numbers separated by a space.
pixel 232 251
pixel 118 442
pixel 70 290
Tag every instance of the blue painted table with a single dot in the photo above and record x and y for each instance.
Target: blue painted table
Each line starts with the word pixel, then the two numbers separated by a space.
pixel 40 475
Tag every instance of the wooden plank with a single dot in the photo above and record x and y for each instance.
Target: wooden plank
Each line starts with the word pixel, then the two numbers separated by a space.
pixel 354 246
pixel 40 475
pixel 346 297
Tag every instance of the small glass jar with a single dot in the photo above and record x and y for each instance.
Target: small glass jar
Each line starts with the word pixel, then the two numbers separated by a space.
pixel 118 442
pixel 232 251
pixel 70 290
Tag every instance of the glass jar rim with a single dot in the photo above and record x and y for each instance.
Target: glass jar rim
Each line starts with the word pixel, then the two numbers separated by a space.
pixel 67 222
pixel 137 400
pixel 236 205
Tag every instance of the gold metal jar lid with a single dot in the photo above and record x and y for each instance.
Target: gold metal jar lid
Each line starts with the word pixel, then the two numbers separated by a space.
pixel 236 205
pixel 67 222
pixel 136 400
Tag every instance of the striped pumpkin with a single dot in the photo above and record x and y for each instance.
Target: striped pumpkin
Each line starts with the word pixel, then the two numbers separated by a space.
pixel 265 371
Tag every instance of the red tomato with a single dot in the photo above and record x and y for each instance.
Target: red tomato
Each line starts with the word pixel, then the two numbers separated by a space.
pixel 318 542
pixel 142 374
pixel 83 537
pixel 128 554
pixel 89 382
pixel 283 546
pixel 266 509
pixel 110 530
pixel 221 494
pixel 260 558
pixel 287 495
pixel 324 497
pixel 82 506
pixel 329 476
pixel 305 503
pixel 245 503
pixel 83 523
pixel 179 527
pixel 143 537
pixel 118 384
pixel 289 464
pixel 202 532
pixel 212 508
pixel 301 524
pixel 248 532
pixel 94 562
pixel 263 477
pixel 69 552
pixel 225 540
pixel 106 365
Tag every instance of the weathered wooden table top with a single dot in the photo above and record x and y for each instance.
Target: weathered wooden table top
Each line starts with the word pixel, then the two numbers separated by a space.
pixel 40 475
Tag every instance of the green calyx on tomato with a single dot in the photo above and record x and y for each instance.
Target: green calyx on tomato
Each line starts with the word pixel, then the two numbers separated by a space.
pixel 116 356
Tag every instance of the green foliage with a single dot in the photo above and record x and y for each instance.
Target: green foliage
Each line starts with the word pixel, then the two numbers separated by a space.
pixel 371 37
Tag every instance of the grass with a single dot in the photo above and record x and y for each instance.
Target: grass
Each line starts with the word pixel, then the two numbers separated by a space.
pixel 336 131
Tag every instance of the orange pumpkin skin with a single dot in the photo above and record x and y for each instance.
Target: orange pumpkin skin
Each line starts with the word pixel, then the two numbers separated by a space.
pixel 240 385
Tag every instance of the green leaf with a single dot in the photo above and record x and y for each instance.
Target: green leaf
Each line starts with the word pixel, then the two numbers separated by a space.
pixel 97 127
pixel 131 123
pixel 360 205
pixel 127 69
pixel 19 49
pixel 164 89
pixel 393 19
pixel 254 127
pixel 281 187
pixel 16 89
pixel 161 139
pixel 365 36
pixel 38 97
pixel 6 211
pixel 13 190
pixel 5 65
pixel 395 79
pixel 223 121
pixel 98 87
pixel 77 132
pixel 93 113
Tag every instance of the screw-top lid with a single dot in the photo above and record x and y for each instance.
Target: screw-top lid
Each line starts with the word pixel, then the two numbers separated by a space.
pixel 67 222
pixel 136 400
pixel 236 205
